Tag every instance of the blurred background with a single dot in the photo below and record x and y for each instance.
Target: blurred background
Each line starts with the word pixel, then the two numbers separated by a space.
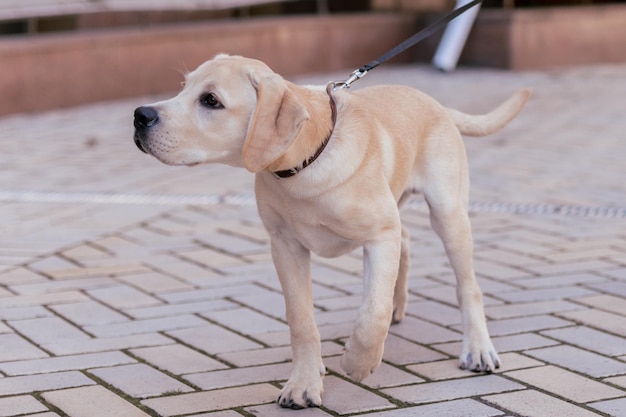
pixel 62 53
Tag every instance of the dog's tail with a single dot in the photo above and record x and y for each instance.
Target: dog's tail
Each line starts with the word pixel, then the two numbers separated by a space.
pixel 486 124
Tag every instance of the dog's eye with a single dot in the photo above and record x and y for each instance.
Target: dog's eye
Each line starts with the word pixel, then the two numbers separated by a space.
pixel 209 100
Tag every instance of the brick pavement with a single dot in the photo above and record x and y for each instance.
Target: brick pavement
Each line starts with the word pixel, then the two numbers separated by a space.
pixel 129 288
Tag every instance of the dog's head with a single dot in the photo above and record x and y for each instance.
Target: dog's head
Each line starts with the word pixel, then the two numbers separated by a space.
pixel 232 110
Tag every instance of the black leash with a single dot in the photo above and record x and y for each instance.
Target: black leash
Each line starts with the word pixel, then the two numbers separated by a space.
pixel 418 37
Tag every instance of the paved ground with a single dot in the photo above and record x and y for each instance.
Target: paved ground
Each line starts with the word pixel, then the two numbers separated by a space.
pixel 129 288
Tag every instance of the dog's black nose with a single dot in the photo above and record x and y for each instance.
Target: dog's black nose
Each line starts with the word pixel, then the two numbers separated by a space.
pixel 145 117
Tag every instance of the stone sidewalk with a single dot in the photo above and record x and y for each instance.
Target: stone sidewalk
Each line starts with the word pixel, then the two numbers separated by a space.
pixel 130 288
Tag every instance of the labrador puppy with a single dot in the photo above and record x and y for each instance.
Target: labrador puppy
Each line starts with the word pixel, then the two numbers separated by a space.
pixel 332 170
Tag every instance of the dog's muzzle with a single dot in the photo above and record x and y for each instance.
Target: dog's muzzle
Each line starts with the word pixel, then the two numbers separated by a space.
pixel 145 118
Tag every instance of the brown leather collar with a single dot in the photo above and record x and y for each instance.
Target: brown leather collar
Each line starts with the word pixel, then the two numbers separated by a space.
pixel 287 173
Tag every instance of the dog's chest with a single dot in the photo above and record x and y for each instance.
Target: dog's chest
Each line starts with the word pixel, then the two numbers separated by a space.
pixel 324 230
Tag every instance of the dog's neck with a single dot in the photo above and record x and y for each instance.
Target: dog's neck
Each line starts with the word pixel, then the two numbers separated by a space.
pixel 313 137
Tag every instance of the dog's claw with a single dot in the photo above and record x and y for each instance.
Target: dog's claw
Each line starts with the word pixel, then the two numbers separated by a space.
pixel 480 362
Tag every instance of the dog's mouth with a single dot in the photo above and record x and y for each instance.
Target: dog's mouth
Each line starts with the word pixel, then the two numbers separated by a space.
pixel 139 144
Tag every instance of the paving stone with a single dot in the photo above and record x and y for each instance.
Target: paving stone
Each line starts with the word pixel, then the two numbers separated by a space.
pixel 529 309
pixel 73 272
pixel 23 404
pixel 560 280
pixel 423 332
pixel 93 401
pixel 146 326
pixel 48 330
pixel 454 408
pixel 272 355
pixel 181 269
pixel 178 359
pixel 516 342
pixel 179 309
pixel 52 263
pixel 214 340
pixel 240 376
pixel 337 390
pixel 21 313
pixel 524 324
pixel 579 360
pixel 435 312
pixel 384 376
pixel 613 408
pixel 619 273
pixel 140 380
pixel 323 318
pixel 73 347
pixel 235 245
pixel 276 339
pixel 210 258
pixel 154 283
pixel 89 313
pixel 246 321
pixel 85 252
pixel 571 267
pixel 323 274
pixel 42 299
pixel 64 363
pixel 590 339
pixel 507 257
pixel 273 410
pixel 5 329
pixel 20 276
pixel 43 382
pixel 251 232
pixel 273 304
pixel 123 296
pixel 15 347
pixel 227 413
pixel 447 295
pixel 400 351
pixel 536 404
pixel 565 384
pixel 616 288
pixel 348 264
pixel 213 400
pixel 64 285
pixel 210 293
pixel 617 380
pixel 497 271
pixel 560 293
pixel 605 302
pixel 452 389
pixel 449 369
pixel 609 322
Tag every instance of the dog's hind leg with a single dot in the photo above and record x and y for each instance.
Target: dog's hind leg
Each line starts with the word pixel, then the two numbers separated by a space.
pixel 400 293
pixel 447 193
pixel 451 223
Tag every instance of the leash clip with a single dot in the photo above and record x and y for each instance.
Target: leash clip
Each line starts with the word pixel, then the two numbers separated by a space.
pixel 356 75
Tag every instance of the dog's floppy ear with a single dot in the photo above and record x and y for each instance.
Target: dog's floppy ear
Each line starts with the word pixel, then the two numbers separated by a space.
pixel 275 124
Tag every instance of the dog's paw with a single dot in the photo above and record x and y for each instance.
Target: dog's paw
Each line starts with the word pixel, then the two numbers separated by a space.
pixel 301 391
pixel 483 359
pixel 359 362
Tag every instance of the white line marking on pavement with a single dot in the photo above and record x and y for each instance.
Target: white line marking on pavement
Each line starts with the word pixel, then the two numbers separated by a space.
pixel 247 199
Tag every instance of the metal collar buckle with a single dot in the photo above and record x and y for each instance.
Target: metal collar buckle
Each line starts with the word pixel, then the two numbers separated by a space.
pixel 356 75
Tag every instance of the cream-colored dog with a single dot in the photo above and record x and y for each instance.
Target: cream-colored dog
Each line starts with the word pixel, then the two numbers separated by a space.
pixel 332 169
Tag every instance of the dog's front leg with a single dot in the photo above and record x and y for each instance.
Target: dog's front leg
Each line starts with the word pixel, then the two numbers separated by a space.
pixel 364 349
pixel 293 264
